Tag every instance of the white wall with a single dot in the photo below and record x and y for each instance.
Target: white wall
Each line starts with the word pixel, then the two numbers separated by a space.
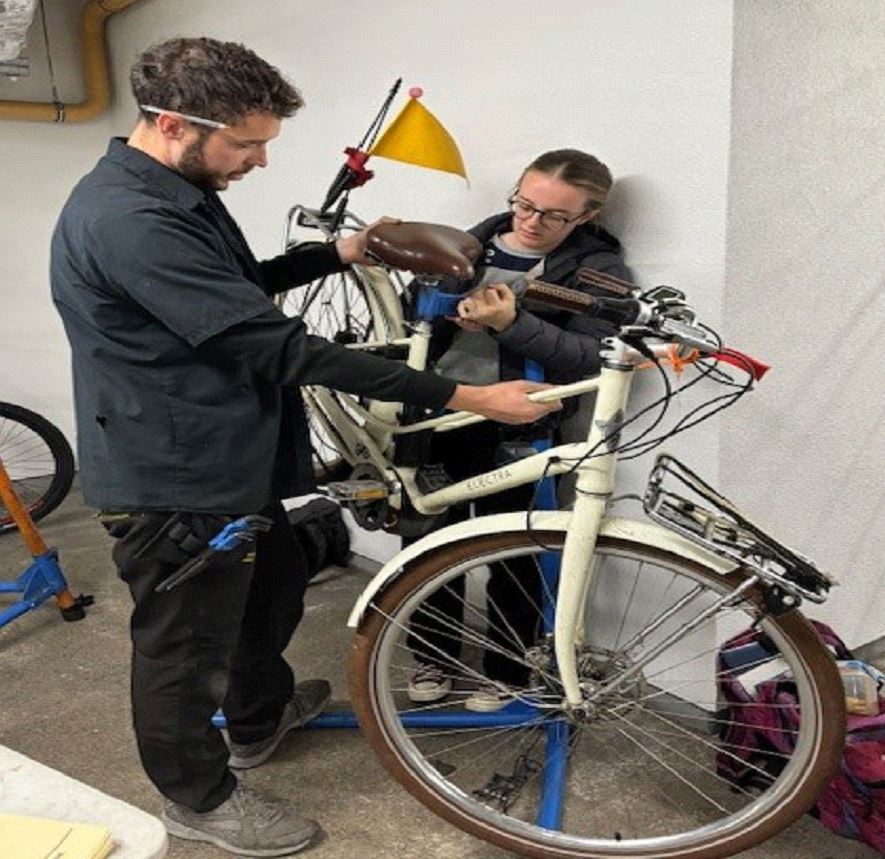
pixel 645 86
pixel 507 81
pixel 805 288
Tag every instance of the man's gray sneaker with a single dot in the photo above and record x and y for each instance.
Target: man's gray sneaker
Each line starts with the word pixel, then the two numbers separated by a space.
pixel 308 700
pixel 246 823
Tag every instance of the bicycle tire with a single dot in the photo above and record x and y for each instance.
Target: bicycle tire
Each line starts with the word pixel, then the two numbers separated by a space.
pixel 342 307
pixel 622 777
pixel 38 459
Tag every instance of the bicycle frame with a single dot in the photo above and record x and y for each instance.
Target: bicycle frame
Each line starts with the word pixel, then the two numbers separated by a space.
pixel 364 435
pixel 594 487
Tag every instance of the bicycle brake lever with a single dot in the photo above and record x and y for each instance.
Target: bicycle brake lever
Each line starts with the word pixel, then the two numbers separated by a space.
pixel 688 334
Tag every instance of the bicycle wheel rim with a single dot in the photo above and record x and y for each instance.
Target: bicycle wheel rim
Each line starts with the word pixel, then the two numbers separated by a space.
pixel 338 308
pixel 406 754
pixel 38 460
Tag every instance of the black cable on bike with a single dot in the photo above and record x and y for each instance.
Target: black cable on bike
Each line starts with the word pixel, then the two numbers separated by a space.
pixel 637 448
pixel 663 401
pixel 712 372
pixel 705 370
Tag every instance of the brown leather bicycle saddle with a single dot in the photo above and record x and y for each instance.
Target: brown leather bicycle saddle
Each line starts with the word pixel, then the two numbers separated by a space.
pixel 424 248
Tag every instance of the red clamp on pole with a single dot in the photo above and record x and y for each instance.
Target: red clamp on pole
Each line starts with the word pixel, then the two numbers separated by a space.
pixel 356 163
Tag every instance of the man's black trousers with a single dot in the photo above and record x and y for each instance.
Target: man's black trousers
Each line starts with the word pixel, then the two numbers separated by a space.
pixel 214 641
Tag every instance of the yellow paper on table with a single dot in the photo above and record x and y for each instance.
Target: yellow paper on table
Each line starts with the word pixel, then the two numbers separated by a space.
pixel 416 136
pixel 40 838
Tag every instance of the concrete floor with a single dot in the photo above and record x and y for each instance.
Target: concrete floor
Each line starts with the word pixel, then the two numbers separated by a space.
pixel 65 704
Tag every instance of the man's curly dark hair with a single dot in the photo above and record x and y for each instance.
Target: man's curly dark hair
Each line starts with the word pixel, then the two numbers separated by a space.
pixel 223 81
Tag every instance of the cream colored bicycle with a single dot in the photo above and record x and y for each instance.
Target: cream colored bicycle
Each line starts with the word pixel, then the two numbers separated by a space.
pixel 611 748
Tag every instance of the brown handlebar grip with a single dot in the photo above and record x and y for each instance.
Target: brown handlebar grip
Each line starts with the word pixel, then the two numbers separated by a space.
pixel 560 297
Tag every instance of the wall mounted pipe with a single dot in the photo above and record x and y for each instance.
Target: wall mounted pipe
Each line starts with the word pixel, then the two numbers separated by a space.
pixel 96 72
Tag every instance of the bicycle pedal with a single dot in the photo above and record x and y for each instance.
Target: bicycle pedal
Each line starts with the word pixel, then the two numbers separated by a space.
pixel 430 478
pixel 357 490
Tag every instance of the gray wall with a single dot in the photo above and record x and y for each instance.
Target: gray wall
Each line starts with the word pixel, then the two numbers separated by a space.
pixel 805 271
pixel 643 85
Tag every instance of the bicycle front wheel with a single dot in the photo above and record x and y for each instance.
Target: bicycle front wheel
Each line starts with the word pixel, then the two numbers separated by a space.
pixel 38 459
pixel 634 774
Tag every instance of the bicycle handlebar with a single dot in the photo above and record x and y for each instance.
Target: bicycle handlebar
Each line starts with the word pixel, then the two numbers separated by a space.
pixel 660 313
pixel 668 317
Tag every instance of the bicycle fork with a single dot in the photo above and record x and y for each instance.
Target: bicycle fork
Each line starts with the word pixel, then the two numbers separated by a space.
pixel 593 488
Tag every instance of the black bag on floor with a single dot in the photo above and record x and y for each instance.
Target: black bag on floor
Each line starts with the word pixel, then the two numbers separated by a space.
pixel 319 528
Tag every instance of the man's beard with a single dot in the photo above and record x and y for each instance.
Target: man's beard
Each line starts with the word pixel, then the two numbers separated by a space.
pixel 192 167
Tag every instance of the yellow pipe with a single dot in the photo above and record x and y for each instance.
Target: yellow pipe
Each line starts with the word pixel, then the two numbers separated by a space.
pixel 96 72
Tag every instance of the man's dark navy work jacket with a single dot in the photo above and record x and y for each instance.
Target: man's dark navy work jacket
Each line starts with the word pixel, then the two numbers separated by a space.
pixel 185 373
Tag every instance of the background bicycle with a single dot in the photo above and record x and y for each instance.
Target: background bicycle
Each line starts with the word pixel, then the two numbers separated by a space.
pixel 39 461
pixel 359 306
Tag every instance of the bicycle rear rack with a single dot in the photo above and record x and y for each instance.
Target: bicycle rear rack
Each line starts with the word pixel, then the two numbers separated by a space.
pixel 727 532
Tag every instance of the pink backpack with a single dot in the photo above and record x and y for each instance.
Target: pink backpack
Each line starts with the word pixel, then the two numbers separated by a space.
pixel 752 749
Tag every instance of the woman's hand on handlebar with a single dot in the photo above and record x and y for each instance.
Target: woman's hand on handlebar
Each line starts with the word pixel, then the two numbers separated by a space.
pixel 352 248
pixel 505 402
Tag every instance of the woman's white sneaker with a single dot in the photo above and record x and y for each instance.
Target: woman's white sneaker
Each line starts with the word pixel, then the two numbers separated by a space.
pixel 428 684
pixel 489 698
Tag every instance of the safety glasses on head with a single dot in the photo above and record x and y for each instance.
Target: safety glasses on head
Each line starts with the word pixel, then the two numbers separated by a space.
pixel 197 120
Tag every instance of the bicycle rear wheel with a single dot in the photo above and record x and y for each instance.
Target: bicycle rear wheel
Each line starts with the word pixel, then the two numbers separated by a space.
pixel 355 307
pixel 635 775
pixel 38 459
pixel 342 307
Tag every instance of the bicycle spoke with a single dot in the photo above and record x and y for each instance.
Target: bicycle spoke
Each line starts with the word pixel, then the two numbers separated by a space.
pixel 673 771
pixel 337 307
pixel 716 748
pixel 38 460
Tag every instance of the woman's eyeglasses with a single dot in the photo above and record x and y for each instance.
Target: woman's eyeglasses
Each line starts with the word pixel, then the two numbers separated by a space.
pixel 524 210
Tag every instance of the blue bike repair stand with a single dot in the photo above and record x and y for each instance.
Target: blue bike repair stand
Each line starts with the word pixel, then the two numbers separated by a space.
pixel 43 577
pixel 430 304
pixel 41 580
